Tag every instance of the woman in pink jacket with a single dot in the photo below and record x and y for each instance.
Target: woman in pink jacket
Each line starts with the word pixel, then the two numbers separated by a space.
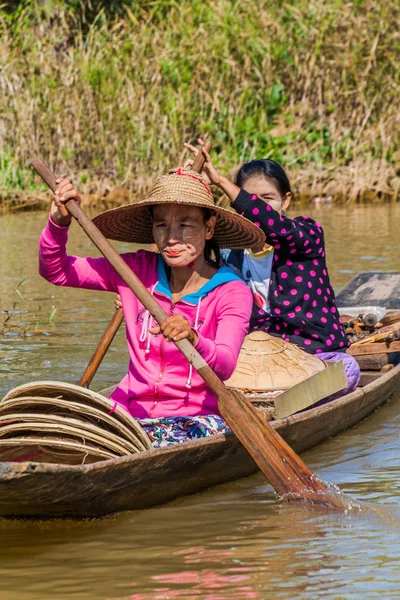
pixel 207 304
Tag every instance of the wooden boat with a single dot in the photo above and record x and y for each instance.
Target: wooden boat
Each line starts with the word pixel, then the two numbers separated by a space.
pixel 153 477
pixel 157 476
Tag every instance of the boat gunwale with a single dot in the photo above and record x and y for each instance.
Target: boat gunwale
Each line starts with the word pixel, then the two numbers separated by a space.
pixel 280 425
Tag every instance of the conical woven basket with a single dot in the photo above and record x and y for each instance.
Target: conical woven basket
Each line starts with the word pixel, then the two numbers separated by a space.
pixel 49 421
pixel 268 364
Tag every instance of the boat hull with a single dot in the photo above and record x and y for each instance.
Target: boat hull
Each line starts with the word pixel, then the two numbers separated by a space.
pixel 158 476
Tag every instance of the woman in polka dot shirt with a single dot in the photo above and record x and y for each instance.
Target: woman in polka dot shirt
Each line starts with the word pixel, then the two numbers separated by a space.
pixel 293 297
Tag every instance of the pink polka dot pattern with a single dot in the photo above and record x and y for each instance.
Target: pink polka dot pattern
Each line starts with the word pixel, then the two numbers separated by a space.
pixel 302 301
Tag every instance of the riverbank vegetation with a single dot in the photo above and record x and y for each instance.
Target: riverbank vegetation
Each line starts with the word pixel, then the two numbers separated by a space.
pixel 108 91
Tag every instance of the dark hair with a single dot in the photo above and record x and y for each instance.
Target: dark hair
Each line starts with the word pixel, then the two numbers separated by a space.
pixel 266 168
pixel 211 248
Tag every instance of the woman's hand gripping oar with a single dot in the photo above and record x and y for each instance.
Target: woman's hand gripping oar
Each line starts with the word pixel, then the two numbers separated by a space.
pixel 286 472
pixel 118 317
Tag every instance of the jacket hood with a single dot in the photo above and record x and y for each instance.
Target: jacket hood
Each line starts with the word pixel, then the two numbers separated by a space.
pixel 223 275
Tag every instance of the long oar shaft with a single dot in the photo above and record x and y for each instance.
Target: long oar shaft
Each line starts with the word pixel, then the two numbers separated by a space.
pixel 102 348
pixel 286 472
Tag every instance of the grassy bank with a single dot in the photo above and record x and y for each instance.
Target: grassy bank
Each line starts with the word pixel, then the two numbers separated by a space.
pixel 109 93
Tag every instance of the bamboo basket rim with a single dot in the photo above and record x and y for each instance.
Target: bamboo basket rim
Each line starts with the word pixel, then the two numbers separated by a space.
pixel 80 394
pixel 84 410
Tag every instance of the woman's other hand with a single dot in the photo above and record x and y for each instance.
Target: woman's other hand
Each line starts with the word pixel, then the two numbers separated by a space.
pixel 213 176
pixel 176 328
pixel 63 192
pixel 117 302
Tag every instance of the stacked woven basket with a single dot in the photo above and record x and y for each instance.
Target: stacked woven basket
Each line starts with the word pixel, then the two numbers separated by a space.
pixel 53 422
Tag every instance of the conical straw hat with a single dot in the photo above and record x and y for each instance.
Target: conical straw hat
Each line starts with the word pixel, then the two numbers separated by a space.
pixel 268 364
pixel 51 450
pixel 67 409
pixel 133 222
pixel 46 421
pixel 57 390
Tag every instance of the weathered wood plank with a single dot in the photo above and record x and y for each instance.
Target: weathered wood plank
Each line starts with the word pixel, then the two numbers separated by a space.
pixel 374 348
pixel 372 362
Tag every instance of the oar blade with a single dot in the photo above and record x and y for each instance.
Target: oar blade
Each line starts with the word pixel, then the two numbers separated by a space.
pixel 283 468
pixel 311 390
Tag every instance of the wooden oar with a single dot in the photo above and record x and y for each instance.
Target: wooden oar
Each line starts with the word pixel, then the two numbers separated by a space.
pixel 118 316
pixel 102 348
pixel 286 472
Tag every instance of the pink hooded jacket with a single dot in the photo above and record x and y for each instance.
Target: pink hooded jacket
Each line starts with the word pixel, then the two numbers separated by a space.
pixel 160 381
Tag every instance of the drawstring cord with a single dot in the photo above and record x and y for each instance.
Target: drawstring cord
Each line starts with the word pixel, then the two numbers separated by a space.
pixel 196 326
pixel 145 333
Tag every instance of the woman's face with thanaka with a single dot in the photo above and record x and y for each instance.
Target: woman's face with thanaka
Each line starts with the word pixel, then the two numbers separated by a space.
pixel 180 232
pixel 265 188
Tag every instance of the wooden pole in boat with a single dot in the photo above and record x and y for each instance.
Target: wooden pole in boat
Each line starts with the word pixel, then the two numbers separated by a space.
pixel 283 468
pixel 118 316
pixel 102 348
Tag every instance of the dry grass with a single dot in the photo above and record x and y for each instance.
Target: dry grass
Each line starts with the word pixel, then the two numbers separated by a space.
pixel 312 84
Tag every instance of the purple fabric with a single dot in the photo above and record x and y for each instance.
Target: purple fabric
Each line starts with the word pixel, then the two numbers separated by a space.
pixel 302 301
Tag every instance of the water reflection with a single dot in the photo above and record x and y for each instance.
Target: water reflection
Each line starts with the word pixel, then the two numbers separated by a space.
pixel 237 540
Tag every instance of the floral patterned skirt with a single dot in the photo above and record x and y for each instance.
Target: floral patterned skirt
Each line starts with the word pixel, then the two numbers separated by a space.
pixel 166 431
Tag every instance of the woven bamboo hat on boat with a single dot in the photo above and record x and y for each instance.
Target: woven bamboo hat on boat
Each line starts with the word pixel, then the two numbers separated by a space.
pixel 133 222
pixel 55 422
pixel 268 364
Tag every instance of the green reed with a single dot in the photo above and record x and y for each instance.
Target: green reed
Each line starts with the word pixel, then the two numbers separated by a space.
pixel 108 91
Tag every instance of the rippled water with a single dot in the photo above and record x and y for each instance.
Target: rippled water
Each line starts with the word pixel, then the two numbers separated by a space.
pixel 237 540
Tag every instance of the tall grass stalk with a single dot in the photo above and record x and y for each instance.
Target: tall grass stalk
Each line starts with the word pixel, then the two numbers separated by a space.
pixel 110 97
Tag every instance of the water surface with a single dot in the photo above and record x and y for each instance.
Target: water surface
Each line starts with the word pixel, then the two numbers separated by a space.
pixel 237 540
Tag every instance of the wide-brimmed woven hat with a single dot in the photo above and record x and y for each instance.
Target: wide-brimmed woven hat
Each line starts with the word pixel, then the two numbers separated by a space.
pixel 133 222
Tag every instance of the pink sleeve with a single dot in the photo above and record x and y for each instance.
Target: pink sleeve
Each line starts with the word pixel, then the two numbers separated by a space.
pixel 234 310
pixel 73 271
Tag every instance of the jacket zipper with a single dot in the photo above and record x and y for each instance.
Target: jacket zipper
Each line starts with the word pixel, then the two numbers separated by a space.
pixel 162 363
